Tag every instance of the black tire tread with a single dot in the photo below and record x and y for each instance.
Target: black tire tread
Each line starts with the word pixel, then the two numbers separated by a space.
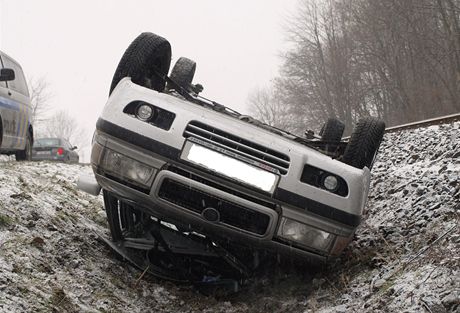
pixel 138 61
pixel 183 72
pixel 22 154
pixel 332 130
pixel 364 142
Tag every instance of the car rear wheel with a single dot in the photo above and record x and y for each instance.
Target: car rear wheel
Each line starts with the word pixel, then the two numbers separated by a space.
pixel 331 134
pixel 26 154
pixel 183 72
pixel 364 143
pixel 146 61
pixel 332 130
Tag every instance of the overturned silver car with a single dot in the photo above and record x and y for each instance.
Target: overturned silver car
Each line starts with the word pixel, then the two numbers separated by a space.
pixel 183 175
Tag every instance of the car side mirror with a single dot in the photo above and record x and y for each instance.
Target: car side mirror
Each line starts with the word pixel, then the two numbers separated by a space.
pixel 74 148
pixel 6 74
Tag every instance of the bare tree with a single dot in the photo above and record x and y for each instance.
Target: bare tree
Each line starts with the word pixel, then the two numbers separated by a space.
pixel 269 109
pixel 63 125
pixel 397 60
pixel 39 97
pixel 319 77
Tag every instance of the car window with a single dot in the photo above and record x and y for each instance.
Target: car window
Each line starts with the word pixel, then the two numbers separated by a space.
pixel 2 84
pixel 46 142
pixel 19 83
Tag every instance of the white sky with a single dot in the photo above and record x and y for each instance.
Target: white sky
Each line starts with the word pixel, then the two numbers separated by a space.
pixel 76 45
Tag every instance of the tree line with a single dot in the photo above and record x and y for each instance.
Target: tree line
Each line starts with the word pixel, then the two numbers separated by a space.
pixel 398 60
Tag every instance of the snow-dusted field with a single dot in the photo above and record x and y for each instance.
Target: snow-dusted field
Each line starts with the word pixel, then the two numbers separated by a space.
pixel 405 258
pixel 415 199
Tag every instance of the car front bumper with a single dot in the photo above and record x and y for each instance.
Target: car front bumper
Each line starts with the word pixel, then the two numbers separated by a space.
pixel 48 157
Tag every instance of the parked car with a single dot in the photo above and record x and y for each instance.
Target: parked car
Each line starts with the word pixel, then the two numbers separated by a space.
pixel 16 131
pixel 183 175
pixel 54 149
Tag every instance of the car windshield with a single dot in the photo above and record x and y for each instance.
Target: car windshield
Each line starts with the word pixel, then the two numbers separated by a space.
pixel 46 142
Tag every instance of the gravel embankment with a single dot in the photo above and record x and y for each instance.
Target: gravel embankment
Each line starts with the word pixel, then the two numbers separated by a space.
pixel 398 262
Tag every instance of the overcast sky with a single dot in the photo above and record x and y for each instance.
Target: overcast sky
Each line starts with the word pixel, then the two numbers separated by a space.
pixel 76 45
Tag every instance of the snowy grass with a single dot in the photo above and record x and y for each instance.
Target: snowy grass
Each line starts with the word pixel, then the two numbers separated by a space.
pixel 51 259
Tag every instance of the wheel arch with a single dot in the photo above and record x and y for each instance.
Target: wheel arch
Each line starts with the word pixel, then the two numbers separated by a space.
pixel 31 132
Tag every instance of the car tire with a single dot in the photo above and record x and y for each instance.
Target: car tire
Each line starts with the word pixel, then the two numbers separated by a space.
pixel 332 130
pixel 146 61
pixel 364 143
pixel 26 154
pixel 183 72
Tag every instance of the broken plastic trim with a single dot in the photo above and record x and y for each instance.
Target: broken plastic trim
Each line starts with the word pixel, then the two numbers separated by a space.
pixel 169 254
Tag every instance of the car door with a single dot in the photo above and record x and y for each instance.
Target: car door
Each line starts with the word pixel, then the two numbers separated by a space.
pixel 17 108
pixel 73 153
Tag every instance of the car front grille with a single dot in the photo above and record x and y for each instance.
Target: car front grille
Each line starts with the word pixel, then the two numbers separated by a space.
pixel 212 184
pixel 197 201
pixel 238 145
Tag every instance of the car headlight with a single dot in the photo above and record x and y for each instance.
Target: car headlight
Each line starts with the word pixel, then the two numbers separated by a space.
pixel 122 166
pixel 304 235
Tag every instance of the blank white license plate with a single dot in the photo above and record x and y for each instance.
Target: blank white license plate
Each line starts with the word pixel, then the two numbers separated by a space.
pixel 230 167
pixel 43 152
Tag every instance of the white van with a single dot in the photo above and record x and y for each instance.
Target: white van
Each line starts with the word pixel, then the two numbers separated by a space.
pixel 16 132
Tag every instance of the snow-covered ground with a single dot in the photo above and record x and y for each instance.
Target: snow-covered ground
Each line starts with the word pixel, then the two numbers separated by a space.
pixel 405 257
pixel 399 262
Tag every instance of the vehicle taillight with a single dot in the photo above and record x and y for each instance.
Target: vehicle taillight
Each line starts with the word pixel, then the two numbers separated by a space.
pixel 60 151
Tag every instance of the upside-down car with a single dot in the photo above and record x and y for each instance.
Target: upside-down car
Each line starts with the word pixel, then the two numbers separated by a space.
pixel 184 175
